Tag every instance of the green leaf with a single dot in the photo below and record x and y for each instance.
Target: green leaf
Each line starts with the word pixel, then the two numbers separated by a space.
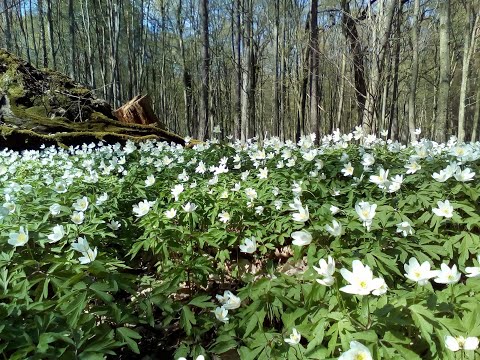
pixel 129 336
pixel 187 319
pixel 202 301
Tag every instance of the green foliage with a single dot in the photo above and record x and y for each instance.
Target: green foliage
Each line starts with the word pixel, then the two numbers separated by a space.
pixel 159 271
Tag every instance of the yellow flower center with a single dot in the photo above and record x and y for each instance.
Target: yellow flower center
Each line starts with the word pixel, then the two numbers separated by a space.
pixel 363 284
pixel 360 356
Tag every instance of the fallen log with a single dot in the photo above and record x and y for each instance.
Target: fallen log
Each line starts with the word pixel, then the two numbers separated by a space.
pixel 46 107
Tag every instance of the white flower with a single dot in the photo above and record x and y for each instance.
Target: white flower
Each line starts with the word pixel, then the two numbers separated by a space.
pixel 294 337
pixel 302 215
pixel 458 343
pixel 447 275
pixel 366 213
pixel 259 210
pixel 201 168
pixel 418 131
pixel 442 176
pixel 326 270
pixel 335 229
pixel 58 232
pixel 405 228
pixel 474 271
pixel 176 191
pixel 368 160
pixel 361 279
pixel 395 183
pixel 189 207
pixel 81 245
pixel 419 273
pixel 10 206
pixel 101 199
pixel 251 194
pixel 77 217
pixel 150 180
pixel 216 129
pixel 55 209
pixel 221 314
pixel 334 210
pixel 142 208
pixel 114 225
pixel 357 351
pixel 412 167
pixel 444 209
pixel 465 175
pixel 263 173
pixel 170 214
pixel 224 217
pixel 249 245
pixel 381 179
pixel 382 288
pixel 60 188
pixel 347 169
pixel 301 238
pixel 88 256
pixel 229 301
pixel 81 204
pixel 18 239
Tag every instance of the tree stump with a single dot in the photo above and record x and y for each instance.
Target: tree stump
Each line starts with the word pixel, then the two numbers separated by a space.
pixel 138 111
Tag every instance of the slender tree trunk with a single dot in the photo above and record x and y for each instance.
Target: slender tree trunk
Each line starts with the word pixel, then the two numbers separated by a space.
pixel 476 115
pixel 187 79
pixel 314 69
pixel 43 40
pixel 414 71
pixel 238 70
pixel 381 38
pixel 90 56
pixel 468 49
pixel 276 85
pixel 51 34
pixel 350 31
pixel 444 71
pixel 341 93
pixel 8 30
pixel 204 104
pixel 247 71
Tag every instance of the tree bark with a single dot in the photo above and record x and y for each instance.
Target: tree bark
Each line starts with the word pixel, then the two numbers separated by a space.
pixel 205 73
pixel 314 69
pixel 444 72
pixel 414 71
pixel 471 24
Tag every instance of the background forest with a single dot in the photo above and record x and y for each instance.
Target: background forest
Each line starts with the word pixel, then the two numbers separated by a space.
pixel 282 67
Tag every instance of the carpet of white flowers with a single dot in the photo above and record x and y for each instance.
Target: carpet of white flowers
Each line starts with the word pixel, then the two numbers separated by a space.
pixel 346 247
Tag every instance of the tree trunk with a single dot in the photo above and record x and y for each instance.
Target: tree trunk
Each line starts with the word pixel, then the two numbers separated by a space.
pixel 468 48
pixel 444 72
pixel 43 40
pixel 350 31
pixel 414 71
pixel 237 55
pixel 50 34
pixel 314 69
pixel 204 104
pixel 8 30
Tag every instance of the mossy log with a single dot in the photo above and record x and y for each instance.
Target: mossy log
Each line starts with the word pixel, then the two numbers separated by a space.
pixel 46 107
